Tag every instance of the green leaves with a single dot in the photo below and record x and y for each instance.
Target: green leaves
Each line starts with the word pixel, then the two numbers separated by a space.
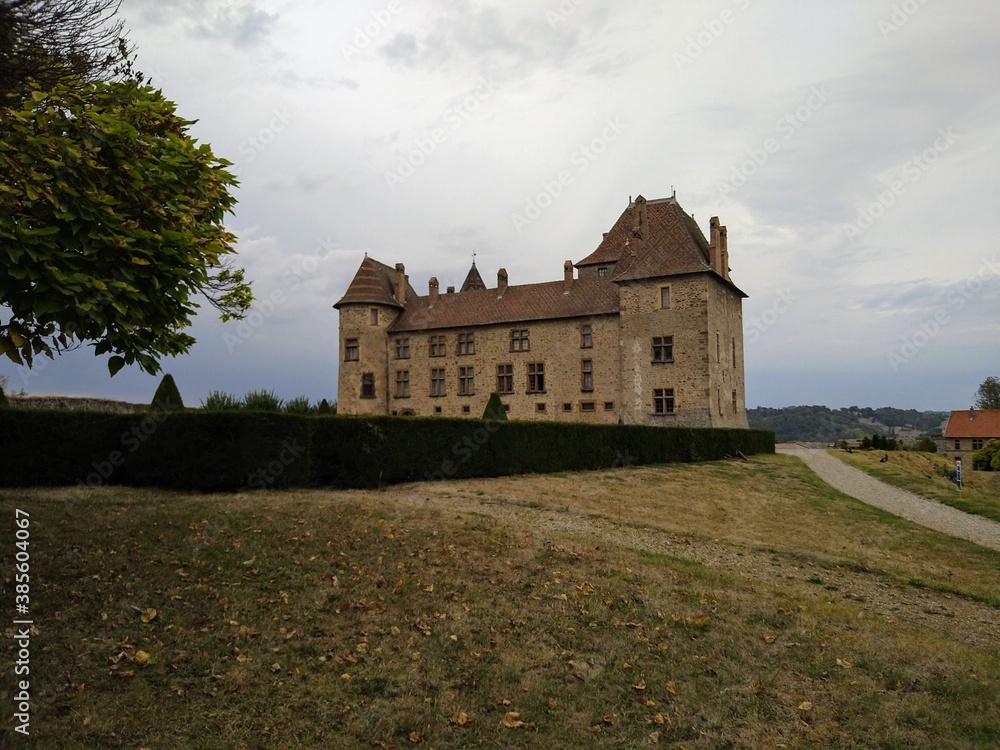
pixel 111 218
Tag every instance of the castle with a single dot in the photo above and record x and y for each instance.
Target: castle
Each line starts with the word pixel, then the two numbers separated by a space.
pixel 648 331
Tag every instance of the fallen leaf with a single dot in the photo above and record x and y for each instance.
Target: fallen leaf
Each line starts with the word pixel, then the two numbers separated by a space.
pixel 671 688
pixel 805 706
pixel 654 737
pixel 459 718
pixel 844 664
pixel 144 657
pixel 512 720
pixel 148 615
pixel 415 737
pixel 611 720
pixel 641 685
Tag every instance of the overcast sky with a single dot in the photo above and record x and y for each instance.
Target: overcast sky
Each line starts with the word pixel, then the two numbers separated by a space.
pixel 852 149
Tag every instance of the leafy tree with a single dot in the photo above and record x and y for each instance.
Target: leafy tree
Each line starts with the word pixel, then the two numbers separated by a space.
pixel 167 397
pixel 985 458
pixel 262 401
pixel 927 445
pixel 494 409
pixel 299 405
pixel 988 395
pixel 111 221
pixel 4 403
pixel 324 407
pixel 60 41
pixel 219 401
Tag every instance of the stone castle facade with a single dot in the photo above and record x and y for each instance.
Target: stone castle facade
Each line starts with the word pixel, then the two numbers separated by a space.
pixel 647 330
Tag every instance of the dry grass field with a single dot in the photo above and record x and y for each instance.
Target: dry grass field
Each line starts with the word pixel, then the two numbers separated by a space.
pixel 726 605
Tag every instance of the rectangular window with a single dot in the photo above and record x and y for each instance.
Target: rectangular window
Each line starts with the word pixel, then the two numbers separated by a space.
pixel 586 337
pixel 350 350
pixel 567 407
pixel 718 348
pixel 588 406
pixel 664 297
pixel 368 385
pixel 519 341
pixel 602 272
pixel 437 346
pixel 466 410
pixel 437 382
pixel 536 377
pixel 663 348
pixel 609 406
pixel 466 381
pixel 663 401
pixel 437 409
pixel 402 383
pixel 539 407
pixel 403 348
pixel 374 316
pixel 734 352
pixel 734 402
pixel 587 374
pixel 466 343
pixel 958 445
pixel 977 444
pixel 505 378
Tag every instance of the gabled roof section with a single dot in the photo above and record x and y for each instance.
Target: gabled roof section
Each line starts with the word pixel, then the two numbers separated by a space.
pixel 518 304
pixel 374 284
pixel 473 280
pixel 653 239
pixel 975 423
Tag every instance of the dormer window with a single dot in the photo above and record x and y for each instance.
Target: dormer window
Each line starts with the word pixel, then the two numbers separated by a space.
pixel 602 272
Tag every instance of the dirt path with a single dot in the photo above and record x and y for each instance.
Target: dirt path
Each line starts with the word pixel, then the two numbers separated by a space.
pixel 867 489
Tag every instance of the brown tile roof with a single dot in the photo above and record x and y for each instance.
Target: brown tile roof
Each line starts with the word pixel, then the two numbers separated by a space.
pixel 673 244
pixel 473 280
pixel 979 423
pixel 528 302
pixel 374 284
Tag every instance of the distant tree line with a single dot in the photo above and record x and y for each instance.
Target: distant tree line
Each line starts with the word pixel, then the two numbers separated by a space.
pixel 820 424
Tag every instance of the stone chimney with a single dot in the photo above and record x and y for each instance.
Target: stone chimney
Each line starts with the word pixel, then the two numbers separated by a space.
pixel 567 275
pixel 400 284
pixel 433 289
pixel 714 244
pixel 501 282
pixel 724 253
pixel 451 290
pixel 640 222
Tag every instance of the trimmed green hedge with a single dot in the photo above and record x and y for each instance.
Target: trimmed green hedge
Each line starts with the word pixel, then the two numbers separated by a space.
pixel 233 450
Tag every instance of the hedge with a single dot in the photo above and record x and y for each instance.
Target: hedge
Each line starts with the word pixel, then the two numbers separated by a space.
pixel 212 451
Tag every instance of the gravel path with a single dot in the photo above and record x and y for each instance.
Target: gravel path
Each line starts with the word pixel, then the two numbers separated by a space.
pixel 867 489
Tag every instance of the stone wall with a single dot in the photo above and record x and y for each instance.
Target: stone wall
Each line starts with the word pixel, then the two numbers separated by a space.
pixel 76 404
